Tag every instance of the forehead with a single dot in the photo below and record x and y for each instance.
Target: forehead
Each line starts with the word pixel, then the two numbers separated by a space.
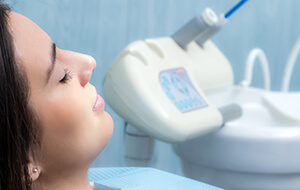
pixel 32 46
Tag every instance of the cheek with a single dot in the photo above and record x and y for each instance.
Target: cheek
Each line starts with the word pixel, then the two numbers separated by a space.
pixel 65 123
pixel 72 130
pixel 66 129
pixel 72 123
pixel 65 114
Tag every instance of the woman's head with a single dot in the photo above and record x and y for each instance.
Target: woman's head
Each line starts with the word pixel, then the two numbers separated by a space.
pixel 66 120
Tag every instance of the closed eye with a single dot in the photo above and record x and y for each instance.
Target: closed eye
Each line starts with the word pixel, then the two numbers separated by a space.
pixel 67 76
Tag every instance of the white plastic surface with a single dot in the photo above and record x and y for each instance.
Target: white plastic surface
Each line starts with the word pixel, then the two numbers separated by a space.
pixel 132 88
pixel 211 68
pixel 286 105
pixel 209 17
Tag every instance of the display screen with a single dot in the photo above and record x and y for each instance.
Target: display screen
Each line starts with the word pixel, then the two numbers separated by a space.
pixel 180 90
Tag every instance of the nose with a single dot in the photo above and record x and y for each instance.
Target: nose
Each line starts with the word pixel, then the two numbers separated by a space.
pixel 87 67
pixel 82 65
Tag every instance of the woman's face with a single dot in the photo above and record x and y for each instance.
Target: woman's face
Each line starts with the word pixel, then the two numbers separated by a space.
pixel 75 128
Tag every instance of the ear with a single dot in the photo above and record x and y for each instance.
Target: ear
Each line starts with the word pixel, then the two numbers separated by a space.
pixel 34 170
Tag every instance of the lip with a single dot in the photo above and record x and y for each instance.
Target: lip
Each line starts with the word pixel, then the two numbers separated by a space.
pixel 99 104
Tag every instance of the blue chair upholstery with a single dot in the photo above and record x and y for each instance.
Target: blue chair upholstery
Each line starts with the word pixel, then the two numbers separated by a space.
pixel 137 178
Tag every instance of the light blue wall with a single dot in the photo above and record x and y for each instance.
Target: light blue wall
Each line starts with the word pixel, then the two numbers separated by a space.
pixel 102 28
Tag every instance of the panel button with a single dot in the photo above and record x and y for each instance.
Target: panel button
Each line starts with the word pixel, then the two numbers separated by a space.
pixel 176 86
pixel 198 100
pixel 165 86
pixel 166 80
pixel 186 105
pixel 174 79
pixel 182 84
pixel 179 106
pixel 170 95
pixel 193 102
pixel 187 102
pixel 185 92
pixel 182 104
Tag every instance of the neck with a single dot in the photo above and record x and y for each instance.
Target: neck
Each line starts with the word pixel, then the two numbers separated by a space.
pixel 75 180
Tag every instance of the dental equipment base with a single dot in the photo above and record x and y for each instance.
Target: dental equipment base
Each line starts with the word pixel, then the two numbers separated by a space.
pixel 138 147
pixel 133 178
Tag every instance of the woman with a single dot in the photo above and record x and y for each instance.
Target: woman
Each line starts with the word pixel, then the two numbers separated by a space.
pixel 53 123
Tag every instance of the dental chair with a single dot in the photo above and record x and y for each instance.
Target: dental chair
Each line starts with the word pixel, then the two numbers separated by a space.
pixel 141 179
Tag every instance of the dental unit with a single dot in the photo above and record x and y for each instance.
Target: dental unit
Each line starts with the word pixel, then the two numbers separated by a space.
pixel 180 89
pixel 152 77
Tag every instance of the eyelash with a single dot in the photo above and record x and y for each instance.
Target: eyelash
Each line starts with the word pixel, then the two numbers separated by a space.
pixel 67 76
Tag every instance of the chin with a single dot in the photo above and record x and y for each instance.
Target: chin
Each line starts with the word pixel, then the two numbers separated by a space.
pixel 106 131
pixel 109 123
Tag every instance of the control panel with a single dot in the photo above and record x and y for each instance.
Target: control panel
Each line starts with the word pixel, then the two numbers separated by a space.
pixel 180 90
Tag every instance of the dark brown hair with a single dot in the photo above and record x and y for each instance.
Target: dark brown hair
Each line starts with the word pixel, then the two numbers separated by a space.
pixel 18 129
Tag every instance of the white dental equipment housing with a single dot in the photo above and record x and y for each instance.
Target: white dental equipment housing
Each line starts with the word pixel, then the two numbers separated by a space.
pixel 158 87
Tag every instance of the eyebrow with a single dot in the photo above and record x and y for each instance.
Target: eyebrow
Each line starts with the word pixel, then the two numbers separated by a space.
pixel 53 58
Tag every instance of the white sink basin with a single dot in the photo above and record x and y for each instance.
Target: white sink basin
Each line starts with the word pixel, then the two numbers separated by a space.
pixel 260 150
